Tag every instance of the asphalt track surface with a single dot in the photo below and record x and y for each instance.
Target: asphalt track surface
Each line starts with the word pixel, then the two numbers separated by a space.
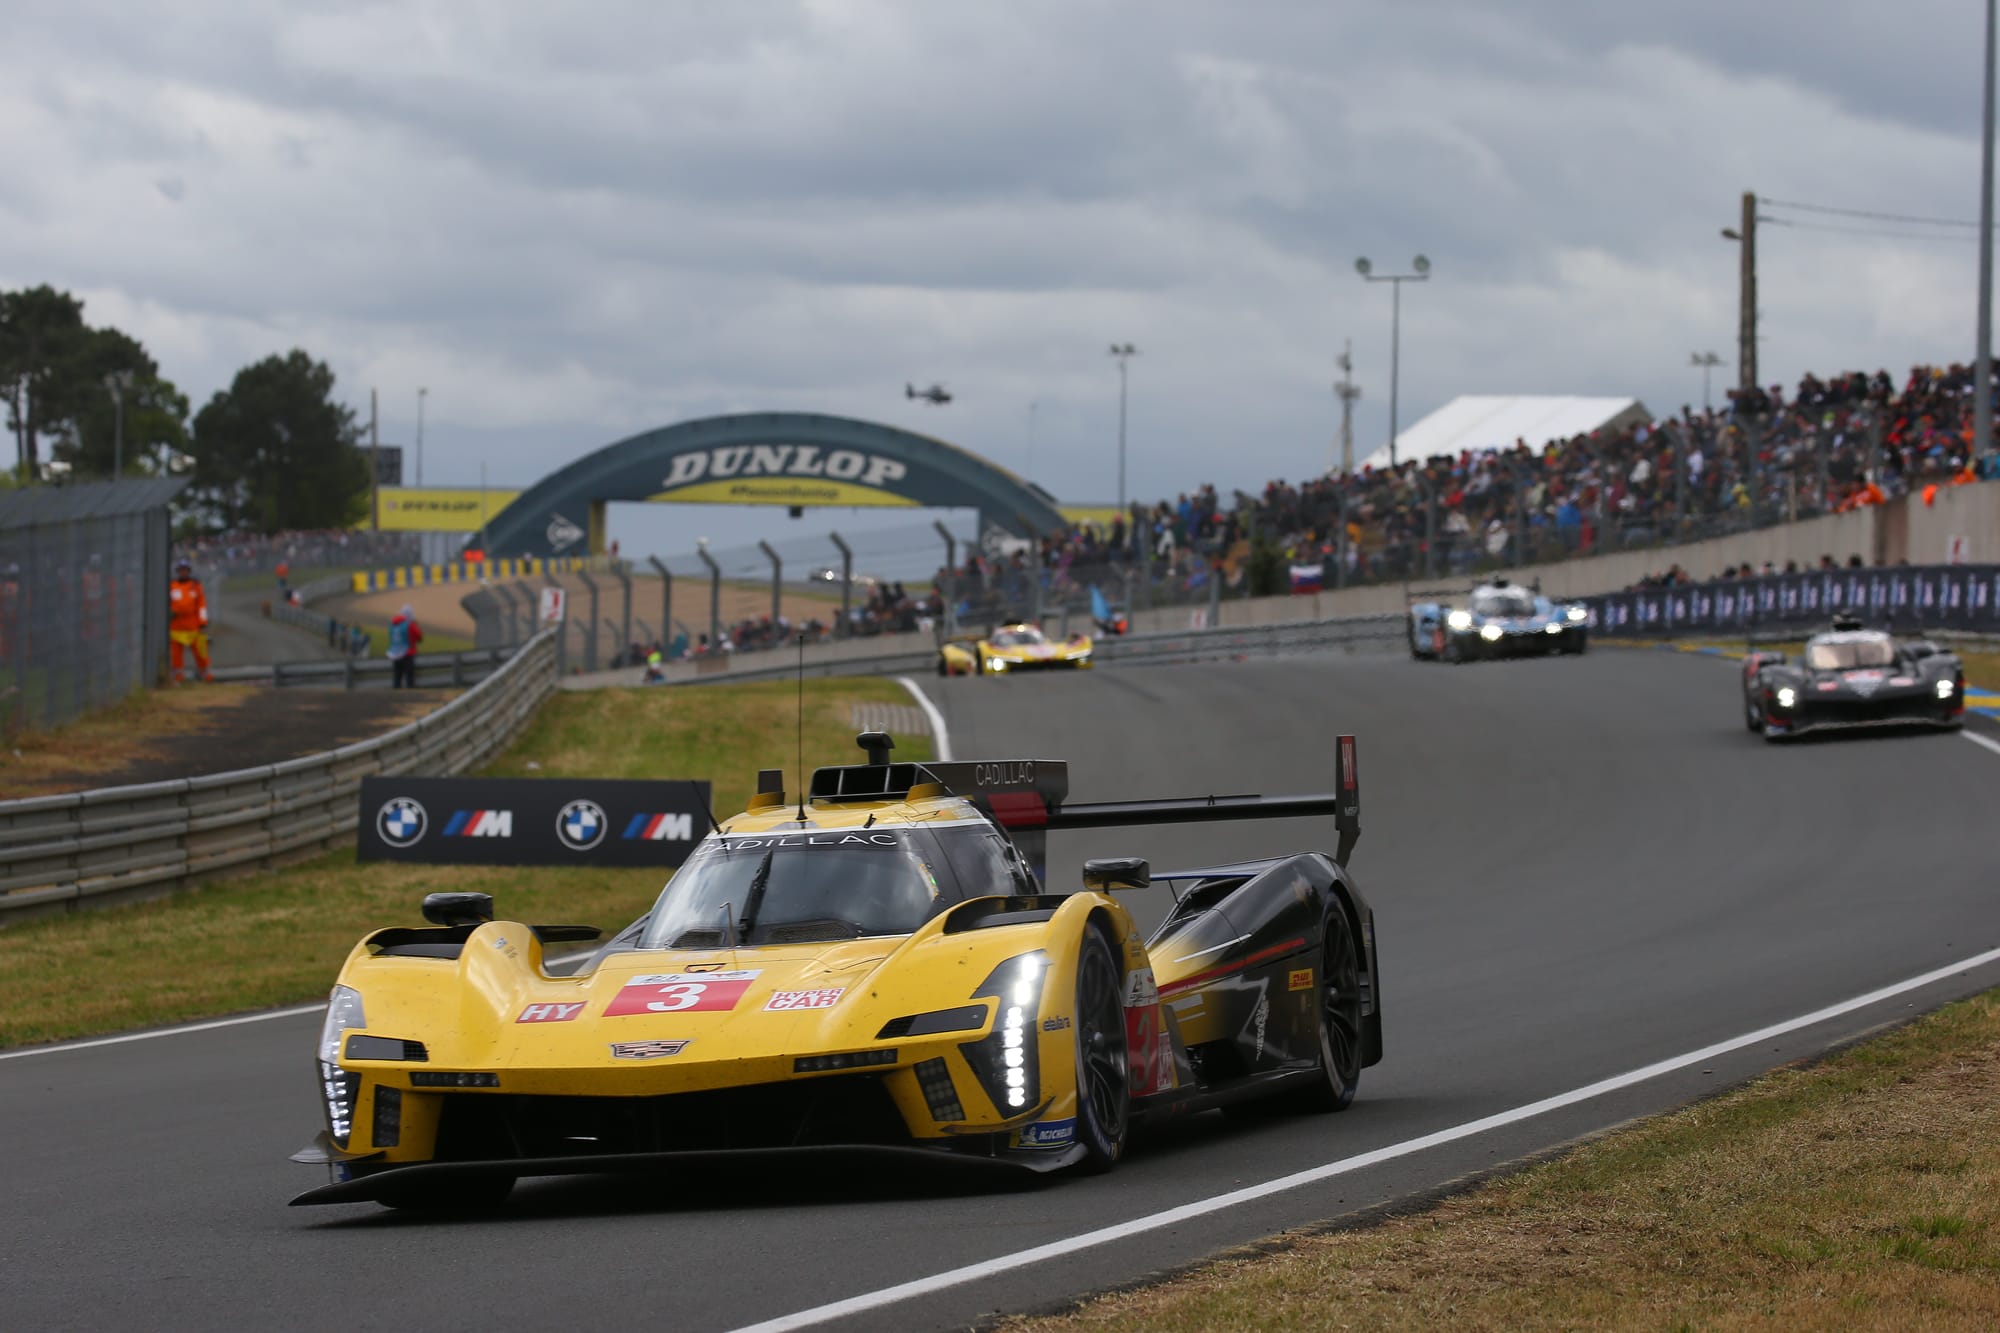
pixel 1579 867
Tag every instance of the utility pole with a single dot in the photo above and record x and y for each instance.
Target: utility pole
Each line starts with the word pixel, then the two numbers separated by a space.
pixel 1124 352
pixel 1422 273
pixel 1746 301
pixel 1349 393
pixel 118 381
pixel 374 466
pixel 421 393
pixel 1030 472
pixel 1982 366
pixel 1704 362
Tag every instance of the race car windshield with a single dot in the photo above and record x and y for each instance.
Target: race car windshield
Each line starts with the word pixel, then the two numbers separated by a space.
pixel 1844 654
pixel 1017 638
pixel 1503 602
pixel 815 884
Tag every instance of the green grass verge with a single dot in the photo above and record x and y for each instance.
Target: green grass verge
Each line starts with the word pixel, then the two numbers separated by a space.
pixel 1861 1192
pixel 278 937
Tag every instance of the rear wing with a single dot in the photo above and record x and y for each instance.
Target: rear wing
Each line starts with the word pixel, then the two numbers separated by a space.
pixel 1028 798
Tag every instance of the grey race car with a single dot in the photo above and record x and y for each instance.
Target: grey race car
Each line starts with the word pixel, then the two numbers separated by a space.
pixel 1850 676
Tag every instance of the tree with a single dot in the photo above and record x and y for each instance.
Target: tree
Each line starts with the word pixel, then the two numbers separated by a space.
pixel 41 331
pixel 82 413
pixel 273 451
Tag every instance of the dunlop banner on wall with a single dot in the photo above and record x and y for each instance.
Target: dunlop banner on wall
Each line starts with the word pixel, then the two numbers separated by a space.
pixel 530 821
pixel 1907 598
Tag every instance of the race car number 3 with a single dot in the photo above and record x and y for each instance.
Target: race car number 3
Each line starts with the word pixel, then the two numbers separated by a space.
pixel 680 992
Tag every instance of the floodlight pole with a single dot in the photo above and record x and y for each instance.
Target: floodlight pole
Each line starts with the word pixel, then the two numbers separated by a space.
pixel 1982 366
pixel 1124 352
pixel 1705 362
pixel 118 381
pixel 1422 273
pixel 1349 393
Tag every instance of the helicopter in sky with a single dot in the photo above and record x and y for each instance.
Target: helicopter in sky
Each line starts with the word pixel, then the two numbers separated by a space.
pixel 936 395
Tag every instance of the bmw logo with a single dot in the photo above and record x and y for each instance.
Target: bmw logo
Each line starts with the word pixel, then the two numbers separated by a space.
pixel 581 825
pixel 401 822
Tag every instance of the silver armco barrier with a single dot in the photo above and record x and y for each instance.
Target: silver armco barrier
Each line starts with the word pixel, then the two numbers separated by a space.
pixel 59 853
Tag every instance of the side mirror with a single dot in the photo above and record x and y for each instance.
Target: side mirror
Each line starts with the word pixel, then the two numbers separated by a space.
pixel 1117 872
pixel 458 909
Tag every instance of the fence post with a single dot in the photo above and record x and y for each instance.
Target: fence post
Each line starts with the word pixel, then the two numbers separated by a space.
pixel 950 576
pixel 505 601
pixel 714 596
pixel 457 670
pixel 666 601
pixel 346 673
pixel 846 583
pixel 590 624
pixel 777 582
pixel 623 571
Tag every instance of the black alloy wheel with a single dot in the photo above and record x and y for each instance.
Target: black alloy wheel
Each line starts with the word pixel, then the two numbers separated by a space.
pixel 1339 995
pixel 1103 1071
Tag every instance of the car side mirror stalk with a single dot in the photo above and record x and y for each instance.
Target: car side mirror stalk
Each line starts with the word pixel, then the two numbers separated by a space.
pixel 458 909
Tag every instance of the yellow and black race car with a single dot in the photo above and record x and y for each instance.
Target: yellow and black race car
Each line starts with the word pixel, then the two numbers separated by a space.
pixel 1011 649
pixel 877 969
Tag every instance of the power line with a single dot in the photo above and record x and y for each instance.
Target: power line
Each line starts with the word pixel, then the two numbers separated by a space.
pixel 1872 216
pixel 1866 231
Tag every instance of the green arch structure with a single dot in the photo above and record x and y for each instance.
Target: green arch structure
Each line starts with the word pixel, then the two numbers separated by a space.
pixel 795 459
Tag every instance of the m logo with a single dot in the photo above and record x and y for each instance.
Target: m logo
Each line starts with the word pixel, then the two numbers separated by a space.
pixel 660 828
pixel 480 824
pixel 401 822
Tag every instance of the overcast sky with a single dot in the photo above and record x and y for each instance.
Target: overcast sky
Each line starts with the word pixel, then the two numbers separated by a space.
pixel 574 222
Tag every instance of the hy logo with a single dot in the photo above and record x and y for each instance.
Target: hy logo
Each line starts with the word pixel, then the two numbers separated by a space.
pixel 659 828
pixel 401 822
pixel 480 824
pixel 581 825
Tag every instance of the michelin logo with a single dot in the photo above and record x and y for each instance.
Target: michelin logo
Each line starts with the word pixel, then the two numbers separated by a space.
pixel 1047 1134
pixel 784 460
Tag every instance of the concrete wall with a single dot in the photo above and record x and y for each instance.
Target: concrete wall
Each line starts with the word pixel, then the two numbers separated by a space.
pixel 1971 512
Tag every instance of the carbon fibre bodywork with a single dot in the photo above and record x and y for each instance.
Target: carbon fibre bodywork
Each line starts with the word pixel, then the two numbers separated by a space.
pixel 1852 678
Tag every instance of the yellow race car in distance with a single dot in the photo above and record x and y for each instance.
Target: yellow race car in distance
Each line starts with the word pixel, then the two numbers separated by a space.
pixel 1010 649
pixel 877 969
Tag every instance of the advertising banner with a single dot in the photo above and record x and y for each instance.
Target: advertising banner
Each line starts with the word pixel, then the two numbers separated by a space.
pixel 530 821
pixel 1908 599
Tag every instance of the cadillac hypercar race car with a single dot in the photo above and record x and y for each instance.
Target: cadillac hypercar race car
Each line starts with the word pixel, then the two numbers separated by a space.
pixel 878 968
pixel 1011 649
pixel 1499 619
pixel 1852 677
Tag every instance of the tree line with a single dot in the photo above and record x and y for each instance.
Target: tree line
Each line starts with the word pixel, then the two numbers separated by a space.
pixel 273 451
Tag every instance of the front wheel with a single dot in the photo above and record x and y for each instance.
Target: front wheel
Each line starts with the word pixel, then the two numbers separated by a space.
pixel 1753 716
pixel 1103 1070
pixel 1339 996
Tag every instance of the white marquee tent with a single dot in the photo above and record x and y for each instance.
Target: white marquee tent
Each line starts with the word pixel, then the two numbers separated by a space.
pixel 1483 422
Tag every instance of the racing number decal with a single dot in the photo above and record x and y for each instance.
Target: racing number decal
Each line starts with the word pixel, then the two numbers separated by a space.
pixel 680 992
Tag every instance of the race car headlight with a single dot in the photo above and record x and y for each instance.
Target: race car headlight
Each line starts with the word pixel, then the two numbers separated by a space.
pixel 1946 688
pixel 1552 628
pixel 998 664
pixel 1489 632
pixel 1459 620
pixel 1787 696
pixel 1005 1061
pixel 1578 613
pixel 338 1087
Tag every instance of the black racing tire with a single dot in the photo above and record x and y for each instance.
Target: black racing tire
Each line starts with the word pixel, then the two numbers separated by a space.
pixel 1416 654
pixel 461 1195
pixel 1454 651
pixel 1338 999
pixel 1753 716
pixel 1103 1068
pixel 943 670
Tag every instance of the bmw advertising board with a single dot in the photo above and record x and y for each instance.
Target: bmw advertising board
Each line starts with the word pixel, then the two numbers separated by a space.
pixel 530 821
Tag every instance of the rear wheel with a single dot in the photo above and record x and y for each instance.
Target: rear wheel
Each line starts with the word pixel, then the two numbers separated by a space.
pixel 1339 995
pixel 1103 1071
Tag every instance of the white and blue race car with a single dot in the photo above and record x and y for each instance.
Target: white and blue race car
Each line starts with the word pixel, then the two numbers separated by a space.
pixel 1498 619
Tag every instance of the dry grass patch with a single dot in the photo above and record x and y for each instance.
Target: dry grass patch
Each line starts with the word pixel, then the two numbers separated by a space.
pixel 1863 1192
pixel 278 938
pixel 66 758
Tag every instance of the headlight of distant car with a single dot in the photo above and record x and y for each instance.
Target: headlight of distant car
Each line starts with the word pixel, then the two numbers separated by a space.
pixel 1552 628
pixel 343 1011
pixel 1459 620
pixel 1787 696
pixel 1946 688
pixel 1578 613
pixel 999 664
pixel 1489 632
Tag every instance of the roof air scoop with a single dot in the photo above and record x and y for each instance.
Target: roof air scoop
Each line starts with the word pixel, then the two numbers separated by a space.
pixel 877 744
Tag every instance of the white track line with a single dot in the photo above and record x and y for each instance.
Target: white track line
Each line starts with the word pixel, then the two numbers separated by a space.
pixel 937 1282
pixel 1978 739
pixel 940 738
pixel 293 1012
